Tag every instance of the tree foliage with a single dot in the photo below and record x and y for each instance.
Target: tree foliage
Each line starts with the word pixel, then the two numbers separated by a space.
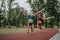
pixel 51 7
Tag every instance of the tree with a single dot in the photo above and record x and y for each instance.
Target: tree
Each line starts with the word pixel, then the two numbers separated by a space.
pixel 9 8
pixel 15 16
pixel 51 8
pixel 2 11
pixel 0 17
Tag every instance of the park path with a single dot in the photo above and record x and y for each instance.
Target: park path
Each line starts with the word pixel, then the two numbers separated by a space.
pixel 56 37
pixel 44 34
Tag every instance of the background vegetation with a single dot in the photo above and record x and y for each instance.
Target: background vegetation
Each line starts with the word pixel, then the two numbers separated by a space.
pixel 13 17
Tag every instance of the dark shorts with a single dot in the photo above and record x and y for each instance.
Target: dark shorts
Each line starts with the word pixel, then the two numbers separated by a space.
pixel 39 24
pixel 31 24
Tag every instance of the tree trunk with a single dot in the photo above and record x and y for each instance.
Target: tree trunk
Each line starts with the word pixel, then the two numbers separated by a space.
pixel 0 22
pixel 58 21
pixel 45 24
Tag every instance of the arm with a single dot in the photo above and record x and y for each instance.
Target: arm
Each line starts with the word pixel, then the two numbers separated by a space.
pixel 38 12
pixel 47 18
pixel 24 11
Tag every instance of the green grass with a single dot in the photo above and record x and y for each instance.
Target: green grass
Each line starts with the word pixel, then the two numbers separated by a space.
pixel 7 31
pixel 16 30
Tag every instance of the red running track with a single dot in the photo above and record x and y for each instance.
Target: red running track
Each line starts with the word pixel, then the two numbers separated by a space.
pixel 44 34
